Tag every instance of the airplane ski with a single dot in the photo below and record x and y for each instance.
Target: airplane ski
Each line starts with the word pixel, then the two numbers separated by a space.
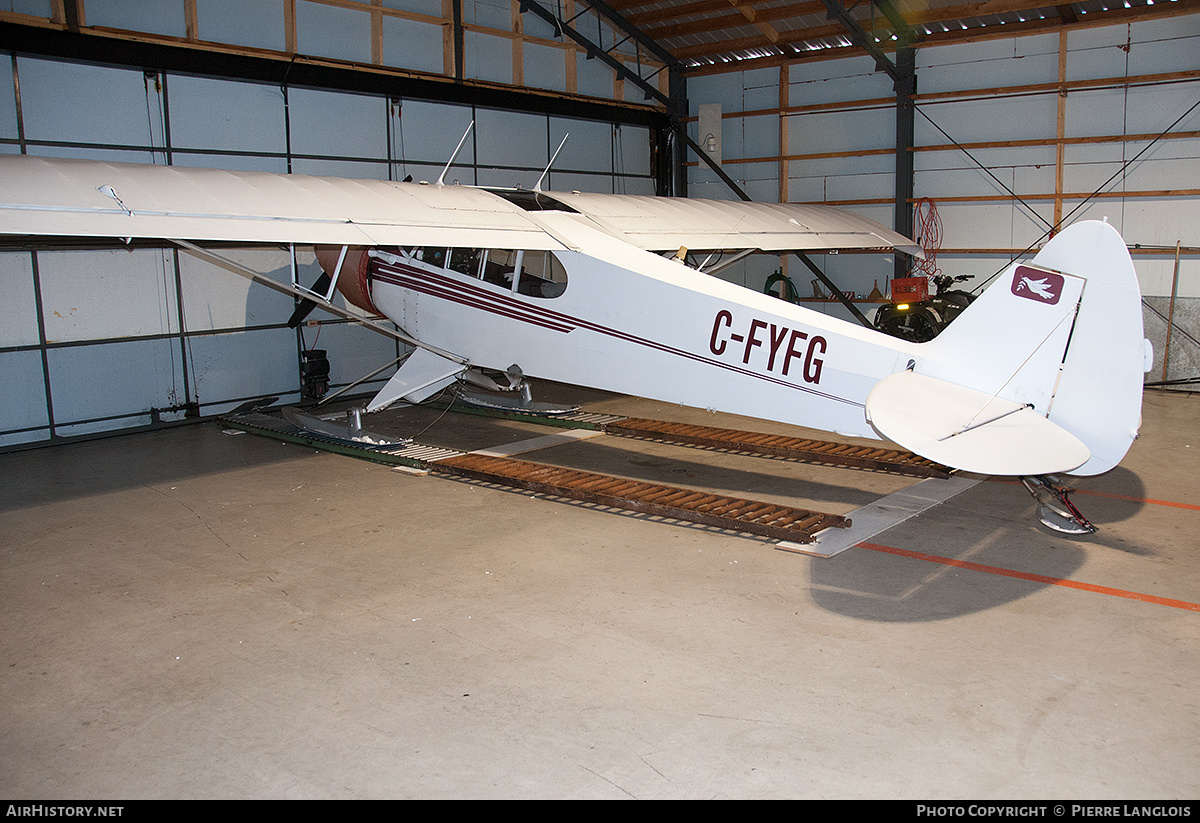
pixel 420 377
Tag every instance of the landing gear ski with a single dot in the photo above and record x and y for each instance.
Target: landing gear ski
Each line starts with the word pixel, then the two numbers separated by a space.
pixel 1055 509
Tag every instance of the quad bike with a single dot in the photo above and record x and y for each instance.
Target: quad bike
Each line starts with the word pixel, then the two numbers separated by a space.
pixel 914 315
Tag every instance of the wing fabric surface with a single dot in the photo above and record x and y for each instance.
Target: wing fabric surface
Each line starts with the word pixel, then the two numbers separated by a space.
pixel 666 223
pixel 88 198
pixel 41 196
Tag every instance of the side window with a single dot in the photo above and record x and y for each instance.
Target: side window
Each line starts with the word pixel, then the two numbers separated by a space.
pixel 542 275
pixel 466 261
pixel 532 273
pixel 499 265
pixel 433 257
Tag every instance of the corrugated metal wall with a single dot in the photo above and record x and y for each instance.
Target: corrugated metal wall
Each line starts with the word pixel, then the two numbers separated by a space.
pixel 988 128
pixel 101 339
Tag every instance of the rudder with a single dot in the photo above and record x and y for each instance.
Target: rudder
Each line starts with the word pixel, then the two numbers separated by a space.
pixel 1063 334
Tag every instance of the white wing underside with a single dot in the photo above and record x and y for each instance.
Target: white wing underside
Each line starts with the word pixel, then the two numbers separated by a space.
pixel 87 198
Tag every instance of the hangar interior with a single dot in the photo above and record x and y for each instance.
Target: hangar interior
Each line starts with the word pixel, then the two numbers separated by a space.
pixel 192 613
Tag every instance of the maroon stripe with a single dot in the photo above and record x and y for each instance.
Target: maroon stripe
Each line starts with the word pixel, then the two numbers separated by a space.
pixel 468 294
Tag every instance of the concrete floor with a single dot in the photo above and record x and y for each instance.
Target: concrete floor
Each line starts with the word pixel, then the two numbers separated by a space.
pixel 191 614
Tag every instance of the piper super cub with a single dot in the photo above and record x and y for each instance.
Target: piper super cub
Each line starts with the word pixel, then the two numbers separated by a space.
pixel 1041 375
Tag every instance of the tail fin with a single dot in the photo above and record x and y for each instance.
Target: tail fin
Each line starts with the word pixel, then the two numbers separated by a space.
pixel 1060 336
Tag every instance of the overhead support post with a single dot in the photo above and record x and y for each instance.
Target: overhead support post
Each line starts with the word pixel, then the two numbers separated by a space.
pixel 906 89
pixel 804 258
pixel 678 111
pixel 669 169
pixel 457 38
pixel 595 50
pixel 904 81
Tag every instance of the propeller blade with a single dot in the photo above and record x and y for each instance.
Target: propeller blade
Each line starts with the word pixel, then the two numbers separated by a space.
pixel 305 307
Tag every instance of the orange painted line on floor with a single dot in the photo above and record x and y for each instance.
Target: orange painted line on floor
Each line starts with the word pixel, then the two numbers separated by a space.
pixel 1191 506
pixel 1037 578
pixel 1131 498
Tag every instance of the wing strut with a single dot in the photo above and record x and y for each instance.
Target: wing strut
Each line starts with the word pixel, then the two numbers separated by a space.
pixel 829 284
pixel 305 294
pixel 442 177
pixel 845 301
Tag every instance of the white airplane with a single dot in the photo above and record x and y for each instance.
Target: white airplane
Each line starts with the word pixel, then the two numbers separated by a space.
pixel 1041 375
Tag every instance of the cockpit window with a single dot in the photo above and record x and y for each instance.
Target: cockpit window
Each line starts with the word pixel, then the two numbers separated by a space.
pixel 434 257
pixel 542 275
pixel 531 273
pixel 466 261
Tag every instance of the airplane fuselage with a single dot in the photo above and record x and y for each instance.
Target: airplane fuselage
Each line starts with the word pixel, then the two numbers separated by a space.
pixel 634 322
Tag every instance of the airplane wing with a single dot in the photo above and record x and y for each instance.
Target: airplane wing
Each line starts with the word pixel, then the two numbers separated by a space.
pixel 666 223
pixel 89 198
pixel 44 196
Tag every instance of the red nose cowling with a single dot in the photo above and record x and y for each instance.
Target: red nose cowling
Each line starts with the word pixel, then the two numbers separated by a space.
pixel 352 280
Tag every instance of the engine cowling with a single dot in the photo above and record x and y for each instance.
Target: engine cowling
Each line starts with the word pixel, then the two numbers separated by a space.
pixel 352 280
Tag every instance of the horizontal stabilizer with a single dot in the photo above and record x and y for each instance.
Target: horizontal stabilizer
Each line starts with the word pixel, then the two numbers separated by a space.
pixel 970 430
pixel 421 376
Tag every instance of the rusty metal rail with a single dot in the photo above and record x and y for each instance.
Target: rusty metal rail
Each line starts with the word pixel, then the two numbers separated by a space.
pixel 795 448
pixel 765 519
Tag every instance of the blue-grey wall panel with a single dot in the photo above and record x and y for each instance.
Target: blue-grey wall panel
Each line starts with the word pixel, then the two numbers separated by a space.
pixel 235 162
pixel 759 136
pixel 1164 45
pixel 333 31
pixel 89 295
pixel 8 101
pixel 635 185
pixel 1006 118
pixel 259 25
pixel 26 408
pixel 243 364
pixel 226 116
pixel 834 81
pixel 360 169
pixel 214 298
pixel 96 153
pixel 841 131
pixel 760 89
pixel 506 138
pixel 153 16
pixel 633 150
pixel 565 181
pixel 589 145
pixel 507 177
pixel 496 14
pixel 545 67
pixel 18 309
pixel 72 102
pixel 112 379
pixel 410 44
pixel 592 77
pixel 337 124
pixel 430 7
pixel 487 57
pixel 428 132
pixel 38 8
